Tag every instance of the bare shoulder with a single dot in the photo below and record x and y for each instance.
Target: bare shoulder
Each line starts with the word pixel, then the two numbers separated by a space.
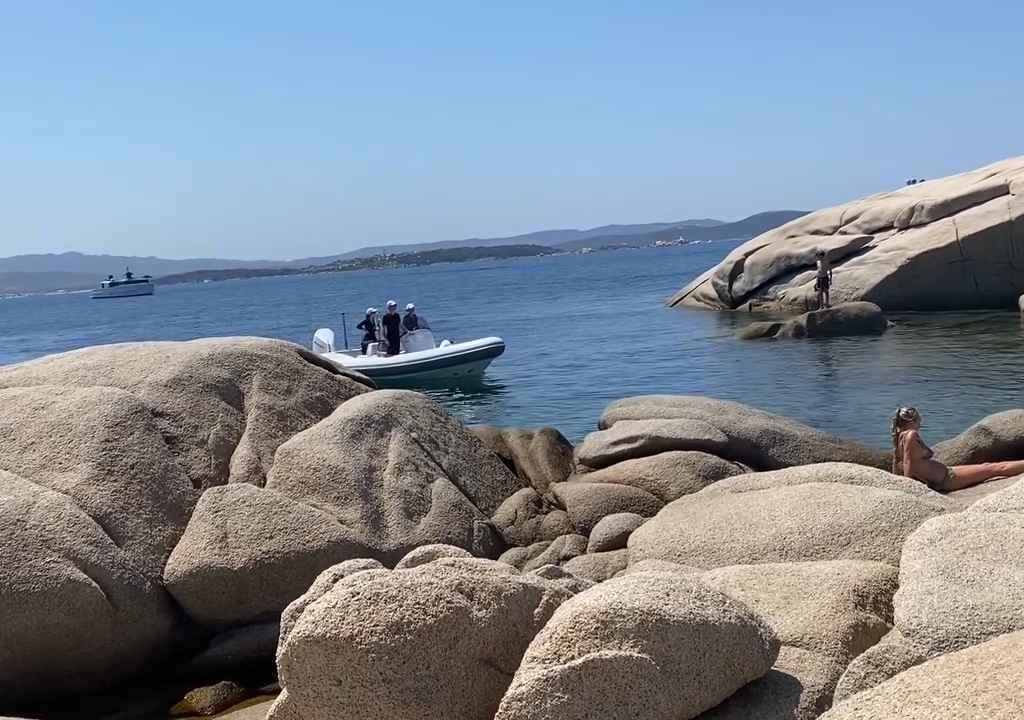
pixel 912 436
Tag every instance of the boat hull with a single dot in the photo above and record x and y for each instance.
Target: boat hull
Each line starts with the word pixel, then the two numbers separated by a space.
pixel 123 291
pixel 453 362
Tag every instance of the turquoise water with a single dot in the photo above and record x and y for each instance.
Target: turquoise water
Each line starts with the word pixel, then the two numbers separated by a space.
pixel 582 331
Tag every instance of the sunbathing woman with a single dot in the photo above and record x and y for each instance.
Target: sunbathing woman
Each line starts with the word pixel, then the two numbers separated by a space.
pixel 911 457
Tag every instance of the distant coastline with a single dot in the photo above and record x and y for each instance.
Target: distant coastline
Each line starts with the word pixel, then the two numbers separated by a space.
pixel 385 261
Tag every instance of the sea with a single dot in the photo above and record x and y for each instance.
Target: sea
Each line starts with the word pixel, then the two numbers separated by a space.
pixel 581 331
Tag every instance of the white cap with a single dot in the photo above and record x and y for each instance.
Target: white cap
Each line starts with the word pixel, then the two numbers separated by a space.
pixel 371 311
pixel 410 306
pixel 392 303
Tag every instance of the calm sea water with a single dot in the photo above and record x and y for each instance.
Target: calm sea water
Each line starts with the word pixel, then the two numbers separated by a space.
pixel 582 331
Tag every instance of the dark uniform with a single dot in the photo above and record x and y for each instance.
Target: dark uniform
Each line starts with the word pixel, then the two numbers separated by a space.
pixel 392 323
pixel 410 322
pixel 369 328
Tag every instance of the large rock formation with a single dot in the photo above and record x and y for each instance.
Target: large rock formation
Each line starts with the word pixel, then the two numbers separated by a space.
pixel 440 640
pixel 654 645
pixel 540 457
pixel 107 451
pixel 945 244
pixel 999 436
pixel 668 475
pixel 222 405
pixel 980 682
pixel 813 512
pixel 736 432
pixel 75 611
pixel 824 614
pixel 387 472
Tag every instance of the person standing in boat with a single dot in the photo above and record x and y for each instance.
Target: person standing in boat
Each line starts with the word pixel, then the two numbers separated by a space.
pixel 412 322
pixel 392 323
pixel 369 328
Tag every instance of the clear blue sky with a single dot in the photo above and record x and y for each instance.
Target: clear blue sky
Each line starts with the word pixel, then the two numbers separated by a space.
pixel 252 129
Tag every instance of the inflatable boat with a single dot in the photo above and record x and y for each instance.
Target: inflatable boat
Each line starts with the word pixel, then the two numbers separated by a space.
pixel 421 358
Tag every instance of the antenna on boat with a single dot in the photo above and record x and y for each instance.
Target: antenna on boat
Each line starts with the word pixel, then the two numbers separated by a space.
pixel 344 329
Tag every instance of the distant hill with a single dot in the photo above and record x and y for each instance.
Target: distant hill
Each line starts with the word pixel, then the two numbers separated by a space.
pixel 376 262
pixel 13 283
pixel 102 265
pixel 742 229
pixel 75 270
pixel 551 238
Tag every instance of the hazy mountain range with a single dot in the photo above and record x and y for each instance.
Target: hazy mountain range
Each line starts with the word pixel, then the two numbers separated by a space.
pixel 75 271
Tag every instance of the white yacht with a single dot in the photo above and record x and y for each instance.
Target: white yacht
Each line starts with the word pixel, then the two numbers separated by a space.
pixel 128 286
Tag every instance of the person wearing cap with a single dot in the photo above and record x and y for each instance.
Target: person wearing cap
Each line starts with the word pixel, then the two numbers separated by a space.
pixel 369 328
pixel 411 322
pixel 392 323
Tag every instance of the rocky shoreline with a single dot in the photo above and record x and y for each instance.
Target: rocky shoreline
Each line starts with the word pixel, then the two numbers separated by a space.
pixel 230 526
pixel 946 244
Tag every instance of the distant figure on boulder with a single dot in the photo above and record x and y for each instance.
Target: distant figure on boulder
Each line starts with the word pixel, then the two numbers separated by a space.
pixel 392 323
pixel 823 281
pixel 369 328
pixel 913 458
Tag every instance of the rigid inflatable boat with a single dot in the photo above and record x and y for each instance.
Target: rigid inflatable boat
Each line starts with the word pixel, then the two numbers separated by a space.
pixel 421 358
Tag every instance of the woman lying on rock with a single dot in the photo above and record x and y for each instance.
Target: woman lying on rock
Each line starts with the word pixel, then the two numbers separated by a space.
pixel 912 458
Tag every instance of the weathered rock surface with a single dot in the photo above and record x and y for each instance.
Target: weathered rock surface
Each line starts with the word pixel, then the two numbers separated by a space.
pixel 668 475
pixel 540 457
pixel 836 608
pixel 76 613
pixel 320 587
pixel 612 531
pixel 798 687
pixel 222 405
pixel 588 503
pixel 786 518
pixel 398 472
pixel 979 682
pixel 661 566
pixel 824 614
pixel 944 244
pixel 526 518
pixel 892 655
pixel 598 566
pixel 559 551
pixel 758 439
pixel 997 437
pixel 831 472
pixel 654 645
pixel 438 640
pixel 853 318
pixel 248 552
pixel 962 580
pixel 101 447
pixel 1010 498
pixel 428 554
pixel 639 438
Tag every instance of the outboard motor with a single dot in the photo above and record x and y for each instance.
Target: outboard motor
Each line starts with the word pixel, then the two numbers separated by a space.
pixel 323 341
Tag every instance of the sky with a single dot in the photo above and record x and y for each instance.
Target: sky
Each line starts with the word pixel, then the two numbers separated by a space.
pixel 282 130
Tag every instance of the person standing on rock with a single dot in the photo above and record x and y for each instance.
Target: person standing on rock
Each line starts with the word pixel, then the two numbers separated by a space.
pixel 912 458
pixel 823 281
pixel 392 323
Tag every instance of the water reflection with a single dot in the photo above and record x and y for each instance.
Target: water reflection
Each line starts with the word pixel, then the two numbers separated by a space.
pixel 472 400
